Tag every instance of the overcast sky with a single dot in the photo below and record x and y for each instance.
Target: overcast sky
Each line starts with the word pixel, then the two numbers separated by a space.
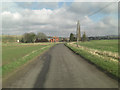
pixel 60 18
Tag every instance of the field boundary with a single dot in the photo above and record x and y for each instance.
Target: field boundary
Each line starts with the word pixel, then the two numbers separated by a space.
pixel 98 67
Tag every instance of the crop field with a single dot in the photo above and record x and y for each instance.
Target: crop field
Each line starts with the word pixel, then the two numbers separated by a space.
pixel 104 45
pixel 15 55
pixel 103 53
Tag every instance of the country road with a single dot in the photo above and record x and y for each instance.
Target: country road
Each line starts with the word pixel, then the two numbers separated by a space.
pixel 60 68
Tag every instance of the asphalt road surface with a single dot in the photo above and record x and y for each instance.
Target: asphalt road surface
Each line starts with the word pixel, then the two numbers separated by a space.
pixel 60 68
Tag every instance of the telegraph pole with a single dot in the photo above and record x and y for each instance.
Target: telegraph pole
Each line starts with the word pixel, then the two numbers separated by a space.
pixel 78 34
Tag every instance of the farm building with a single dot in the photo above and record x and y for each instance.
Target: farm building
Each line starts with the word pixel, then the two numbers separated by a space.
pixel 54 39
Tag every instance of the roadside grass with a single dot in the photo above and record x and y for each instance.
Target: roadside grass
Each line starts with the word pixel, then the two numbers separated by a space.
pixel 103 45
pixel 110 65
pixel 14 57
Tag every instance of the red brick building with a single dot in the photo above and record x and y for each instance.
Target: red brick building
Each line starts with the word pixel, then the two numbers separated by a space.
pixel 54 39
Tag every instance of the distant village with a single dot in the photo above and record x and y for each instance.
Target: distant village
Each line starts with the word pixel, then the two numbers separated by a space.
pixel 67 39
pixel 41 37
pixel 15 38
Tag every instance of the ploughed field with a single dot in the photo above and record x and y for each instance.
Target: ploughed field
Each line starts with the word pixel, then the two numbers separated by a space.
pixel 15 55
pixel 103 53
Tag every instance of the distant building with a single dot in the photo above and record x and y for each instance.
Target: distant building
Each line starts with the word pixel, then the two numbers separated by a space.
pixel 64 39
pixel 18 41
pixel 54 39
pixel 49 38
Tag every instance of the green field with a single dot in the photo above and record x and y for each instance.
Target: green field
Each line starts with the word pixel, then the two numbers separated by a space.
pixel 104 45
pixel 94 52
pixel 15 55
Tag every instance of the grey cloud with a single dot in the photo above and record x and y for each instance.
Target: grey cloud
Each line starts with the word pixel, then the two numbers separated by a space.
pixel 89 8
pixel 58 22
pixel 37 5
pixel 103 27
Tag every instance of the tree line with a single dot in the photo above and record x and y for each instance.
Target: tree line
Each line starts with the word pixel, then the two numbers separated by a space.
pixel 85 38
pixel 33 38
pixel 104 37
pixel 73 37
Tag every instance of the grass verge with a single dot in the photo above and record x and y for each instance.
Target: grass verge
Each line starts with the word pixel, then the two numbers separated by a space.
pixel 110 67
